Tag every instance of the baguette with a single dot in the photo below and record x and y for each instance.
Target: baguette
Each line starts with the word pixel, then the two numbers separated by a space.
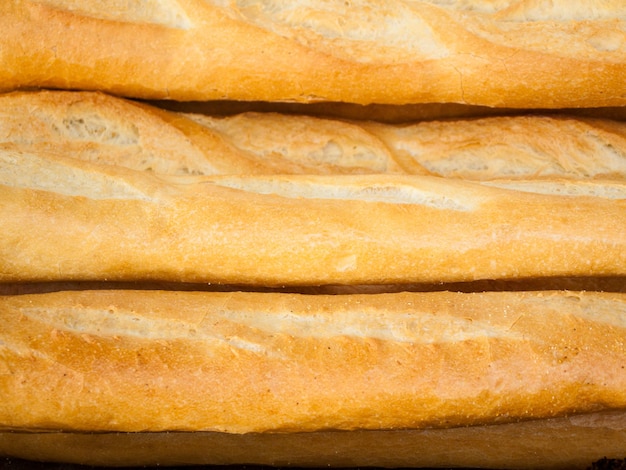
pixel 107 130
pixel 510 54
pixel 281 366
pixel 68 219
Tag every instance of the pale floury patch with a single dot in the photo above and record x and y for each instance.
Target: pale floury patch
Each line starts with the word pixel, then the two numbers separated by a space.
pixel 163 12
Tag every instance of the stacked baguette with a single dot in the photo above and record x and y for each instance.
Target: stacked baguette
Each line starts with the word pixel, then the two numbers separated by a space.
pixel 224 282
pixel 515 53
pixel 126 192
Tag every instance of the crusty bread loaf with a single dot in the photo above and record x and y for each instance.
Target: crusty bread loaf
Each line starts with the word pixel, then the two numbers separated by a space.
pixel 69 219
pixel 107 130
pixel 240 363
pixel 289 362
pixel 512 53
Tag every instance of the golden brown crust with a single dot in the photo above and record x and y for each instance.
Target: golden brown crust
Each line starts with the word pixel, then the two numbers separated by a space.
pixel 68 220
pixel 243 362
pixel 514 54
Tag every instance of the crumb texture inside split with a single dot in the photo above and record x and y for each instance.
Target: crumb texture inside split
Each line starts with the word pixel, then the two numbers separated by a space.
pixel 218 319
pixel 301 139
pixel 606 190
pixel 513 147
pixel 255 331
pixel 419 191
pixel 99 129
pixel 26 170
